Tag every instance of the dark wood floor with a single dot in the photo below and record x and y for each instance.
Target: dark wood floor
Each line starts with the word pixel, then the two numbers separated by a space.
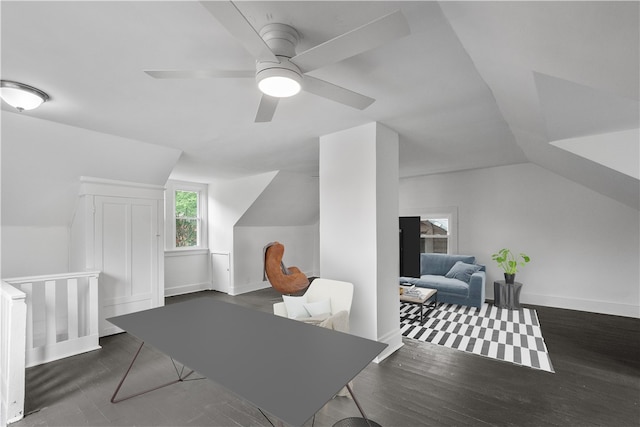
pixel 597 383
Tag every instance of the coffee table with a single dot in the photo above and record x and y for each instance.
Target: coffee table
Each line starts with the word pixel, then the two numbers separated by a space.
pixel 429 296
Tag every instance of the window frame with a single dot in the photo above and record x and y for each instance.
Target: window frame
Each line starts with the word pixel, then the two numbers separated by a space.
pixel 448 212
pixel 170 215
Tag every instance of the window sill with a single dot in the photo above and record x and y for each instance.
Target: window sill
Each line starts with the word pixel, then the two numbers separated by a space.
pixel 186 252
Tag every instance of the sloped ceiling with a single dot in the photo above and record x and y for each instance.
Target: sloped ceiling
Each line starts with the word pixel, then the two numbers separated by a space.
pixel 476 84
pixel 560 70
pixel 570 109
pixel 609 154
pixel 290 199
pixel 40 181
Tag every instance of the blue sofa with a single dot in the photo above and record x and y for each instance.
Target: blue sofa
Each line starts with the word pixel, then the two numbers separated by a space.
pixel 456 277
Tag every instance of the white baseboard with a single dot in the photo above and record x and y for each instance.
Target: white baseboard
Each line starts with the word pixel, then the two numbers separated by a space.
pixel 248 287
pixel 602 307
pixel 186 289
pixel 394 341
pixel 256 286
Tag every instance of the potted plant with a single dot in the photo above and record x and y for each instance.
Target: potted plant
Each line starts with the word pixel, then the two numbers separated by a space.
pixel 509 263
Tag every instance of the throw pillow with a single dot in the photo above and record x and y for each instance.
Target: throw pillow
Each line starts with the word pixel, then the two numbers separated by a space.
pixel 318 308
pixel 295 306
pixel 315 320
pixel 462 271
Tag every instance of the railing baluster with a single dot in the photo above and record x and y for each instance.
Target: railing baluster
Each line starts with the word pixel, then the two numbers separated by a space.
pixel 93 305
pixel 50 315
pixel 72 308
pixel 27 288
pixel 82 333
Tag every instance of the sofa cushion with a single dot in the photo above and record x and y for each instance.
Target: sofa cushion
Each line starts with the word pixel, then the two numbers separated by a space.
pixel 440 264
pixel 462 271
pixel 443 284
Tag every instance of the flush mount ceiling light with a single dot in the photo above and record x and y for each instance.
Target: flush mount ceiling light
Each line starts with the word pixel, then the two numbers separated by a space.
pixel 21 96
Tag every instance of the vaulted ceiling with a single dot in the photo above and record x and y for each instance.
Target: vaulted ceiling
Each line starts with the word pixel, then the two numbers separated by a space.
pixel 475 84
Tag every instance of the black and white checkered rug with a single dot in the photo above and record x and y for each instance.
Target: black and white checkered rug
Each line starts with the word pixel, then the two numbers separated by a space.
pixel 509 335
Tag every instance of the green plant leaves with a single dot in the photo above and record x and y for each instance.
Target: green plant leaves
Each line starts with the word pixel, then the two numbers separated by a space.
pixel 508 261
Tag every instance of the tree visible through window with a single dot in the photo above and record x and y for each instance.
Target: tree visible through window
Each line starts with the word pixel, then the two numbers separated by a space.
pixel 186 218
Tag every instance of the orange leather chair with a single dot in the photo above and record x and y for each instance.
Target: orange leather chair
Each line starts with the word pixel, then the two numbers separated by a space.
pixel 285 280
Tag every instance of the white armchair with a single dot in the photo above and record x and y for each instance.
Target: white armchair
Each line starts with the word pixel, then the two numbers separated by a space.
pixel 340 294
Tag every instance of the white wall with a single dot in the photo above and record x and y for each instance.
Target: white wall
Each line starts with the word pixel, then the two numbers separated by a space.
pixel 359 226
pixel 388 270
pixel 79 235
pixel 238 227
pixel 31 251
pixel 585 247
pixel 186 271
pixel 300 250
pixel 228 201
pixel 348 219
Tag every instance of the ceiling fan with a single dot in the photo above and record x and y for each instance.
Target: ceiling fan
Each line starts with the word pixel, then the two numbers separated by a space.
pixel 280 72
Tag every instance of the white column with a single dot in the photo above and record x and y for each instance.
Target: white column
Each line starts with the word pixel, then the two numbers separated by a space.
pixel 359 226
pixel 13 314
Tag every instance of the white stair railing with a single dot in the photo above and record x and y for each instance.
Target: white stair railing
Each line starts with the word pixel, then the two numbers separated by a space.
pixel 62 315
pixel 13 316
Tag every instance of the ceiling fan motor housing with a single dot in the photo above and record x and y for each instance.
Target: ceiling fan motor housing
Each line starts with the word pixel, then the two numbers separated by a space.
pixel 280 71
pixel 282 40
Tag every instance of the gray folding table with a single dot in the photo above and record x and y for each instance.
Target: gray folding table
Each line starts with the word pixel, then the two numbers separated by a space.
pixel 287 368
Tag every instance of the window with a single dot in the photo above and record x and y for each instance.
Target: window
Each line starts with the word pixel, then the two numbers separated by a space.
pixel 186 215
pixel 438 229
pixel 187 221
pixel 434 235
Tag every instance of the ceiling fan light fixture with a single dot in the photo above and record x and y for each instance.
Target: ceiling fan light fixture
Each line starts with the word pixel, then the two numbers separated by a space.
pixel 279 87
pixel 21 96
pixel 279 82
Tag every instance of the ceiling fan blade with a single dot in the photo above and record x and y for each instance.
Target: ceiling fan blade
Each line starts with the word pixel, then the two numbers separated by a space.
pixel 237 24
pixel 336 93
pixel 199 74
pixel 266 109
pixel 358 40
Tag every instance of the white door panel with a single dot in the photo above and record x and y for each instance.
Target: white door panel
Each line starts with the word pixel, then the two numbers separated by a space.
pixel 126 251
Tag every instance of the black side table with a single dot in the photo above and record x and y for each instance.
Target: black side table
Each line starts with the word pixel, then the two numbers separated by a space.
pixel 506 295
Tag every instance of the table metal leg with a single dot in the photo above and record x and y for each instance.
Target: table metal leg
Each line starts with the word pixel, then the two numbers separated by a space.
pixel 353 422
pixel 115 393
pixel 357 404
